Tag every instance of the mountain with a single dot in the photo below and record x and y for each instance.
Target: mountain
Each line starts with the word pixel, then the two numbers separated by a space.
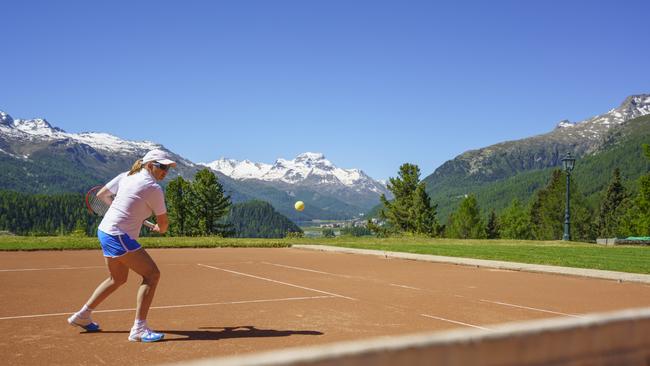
pixel 258 219
pixel 39 158
pixel 530 159
pixel 306 168
pixel 308 177
pixel 36 157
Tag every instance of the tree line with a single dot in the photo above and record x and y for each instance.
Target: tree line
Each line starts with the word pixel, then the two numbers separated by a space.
pixel 40 214
pixel 195 208
pixel 620 212
pixel 258 219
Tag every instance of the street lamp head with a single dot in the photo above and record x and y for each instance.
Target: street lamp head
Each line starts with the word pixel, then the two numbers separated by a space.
pixel 568 162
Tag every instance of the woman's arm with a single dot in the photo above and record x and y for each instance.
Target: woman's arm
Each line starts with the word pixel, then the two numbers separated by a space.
pixel 162 223
pixel 105 195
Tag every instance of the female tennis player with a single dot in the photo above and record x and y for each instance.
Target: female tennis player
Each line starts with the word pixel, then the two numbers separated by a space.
pixel 137 195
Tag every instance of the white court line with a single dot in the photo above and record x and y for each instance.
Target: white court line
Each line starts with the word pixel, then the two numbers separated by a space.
pixel 87 267
pixel 408 287
pixel 275 281
pixel 47 269
pixel 174 306
pixel 529 308
pixel 419 289
pixel 306 269
pixel 455 322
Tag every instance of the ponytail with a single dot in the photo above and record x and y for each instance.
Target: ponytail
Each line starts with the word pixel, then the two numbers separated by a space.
pixel 137 166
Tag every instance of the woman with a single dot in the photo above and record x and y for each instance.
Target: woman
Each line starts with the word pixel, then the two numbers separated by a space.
pixel 136 195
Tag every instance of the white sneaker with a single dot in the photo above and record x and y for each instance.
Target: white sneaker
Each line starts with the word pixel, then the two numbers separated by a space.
pixel 85 323
pixel 145 335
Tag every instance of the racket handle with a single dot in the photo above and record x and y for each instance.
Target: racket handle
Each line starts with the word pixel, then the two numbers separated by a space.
pixel 148 224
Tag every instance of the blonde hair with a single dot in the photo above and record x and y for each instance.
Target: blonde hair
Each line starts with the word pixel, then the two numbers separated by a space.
pixel 137 166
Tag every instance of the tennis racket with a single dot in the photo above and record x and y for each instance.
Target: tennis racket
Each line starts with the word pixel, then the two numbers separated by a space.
pixel 96 206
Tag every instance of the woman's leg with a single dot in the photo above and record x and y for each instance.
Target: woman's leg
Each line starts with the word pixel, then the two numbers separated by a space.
pixel 140 262
pixel 119 273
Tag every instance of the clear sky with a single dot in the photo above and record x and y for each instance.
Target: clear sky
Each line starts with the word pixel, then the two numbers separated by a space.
pixel 370 84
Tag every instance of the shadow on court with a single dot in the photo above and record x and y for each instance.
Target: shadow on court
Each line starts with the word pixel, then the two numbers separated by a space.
pixel 246 331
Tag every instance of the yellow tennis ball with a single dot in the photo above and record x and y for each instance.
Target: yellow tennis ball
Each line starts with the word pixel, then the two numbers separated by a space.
pixel 299 206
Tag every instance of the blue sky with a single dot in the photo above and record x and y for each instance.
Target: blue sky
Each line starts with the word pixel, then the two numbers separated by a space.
pixel 371 84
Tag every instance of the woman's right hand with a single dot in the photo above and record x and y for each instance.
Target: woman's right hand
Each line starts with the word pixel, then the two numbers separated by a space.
pixel 162 223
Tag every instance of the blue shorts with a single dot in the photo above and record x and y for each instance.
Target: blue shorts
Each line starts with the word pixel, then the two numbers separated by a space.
pixel 116 245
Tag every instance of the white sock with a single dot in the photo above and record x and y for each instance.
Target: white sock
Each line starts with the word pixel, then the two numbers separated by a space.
pixel 85 312
pixel 139 324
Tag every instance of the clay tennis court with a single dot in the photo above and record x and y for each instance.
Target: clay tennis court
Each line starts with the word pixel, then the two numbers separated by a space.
pixel 224 302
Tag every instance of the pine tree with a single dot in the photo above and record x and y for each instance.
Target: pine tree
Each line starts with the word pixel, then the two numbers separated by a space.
pixel 398 211
pixel 642 221
pixel 548 210
pixel 424 214
pixel 515 222
pixel 636 221
pixel 466 222
pixel 209 205
pixel 610 213
pixel 643 200
pixel 177 195
pixel 492 228
pixel 411 210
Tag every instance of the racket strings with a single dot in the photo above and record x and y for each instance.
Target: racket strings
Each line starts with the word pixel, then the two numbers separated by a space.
pixel 96 204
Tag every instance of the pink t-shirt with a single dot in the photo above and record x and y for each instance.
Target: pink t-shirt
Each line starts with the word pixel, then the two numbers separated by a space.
pixel 137 197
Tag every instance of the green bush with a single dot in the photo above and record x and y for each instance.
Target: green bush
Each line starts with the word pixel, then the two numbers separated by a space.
pixel 328 233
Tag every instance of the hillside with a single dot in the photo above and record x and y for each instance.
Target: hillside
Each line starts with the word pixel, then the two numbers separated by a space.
pixel 620 148
pixel 258 219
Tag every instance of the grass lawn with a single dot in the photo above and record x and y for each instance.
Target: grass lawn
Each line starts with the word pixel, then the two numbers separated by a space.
pixel 72 242
pixel 634 259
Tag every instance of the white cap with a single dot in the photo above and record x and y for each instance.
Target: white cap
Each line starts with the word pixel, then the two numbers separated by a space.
pixel 159 156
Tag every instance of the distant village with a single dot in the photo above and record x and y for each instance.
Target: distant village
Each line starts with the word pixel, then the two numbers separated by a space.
pixel 350 223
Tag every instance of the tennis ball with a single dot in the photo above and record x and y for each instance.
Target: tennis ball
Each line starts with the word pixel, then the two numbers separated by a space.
pixel 299 206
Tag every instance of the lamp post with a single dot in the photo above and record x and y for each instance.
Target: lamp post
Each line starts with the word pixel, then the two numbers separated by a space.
pixel 567 162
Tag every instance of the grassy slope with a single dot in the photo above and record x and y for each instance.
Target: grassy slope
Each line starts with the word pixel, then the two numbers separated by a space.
pixel 633 259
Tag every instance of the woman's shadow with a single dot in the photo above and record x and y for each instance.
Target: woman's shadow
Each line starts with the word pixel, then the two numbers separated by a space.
pixel 244 331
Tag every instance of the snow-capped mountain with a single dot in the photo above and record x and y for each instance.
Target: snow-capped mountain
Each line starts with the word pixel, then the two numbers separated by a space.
pixel 307 168
pixel 593 128
pixel 244 169
pixel 38 157
pixel 21 138
pixel 309 177
pixel 40 130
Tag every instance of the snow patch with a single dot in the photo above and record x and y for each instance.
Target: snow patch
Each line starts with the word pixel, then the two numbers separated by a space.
pixel 309 165
pixel 40 129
